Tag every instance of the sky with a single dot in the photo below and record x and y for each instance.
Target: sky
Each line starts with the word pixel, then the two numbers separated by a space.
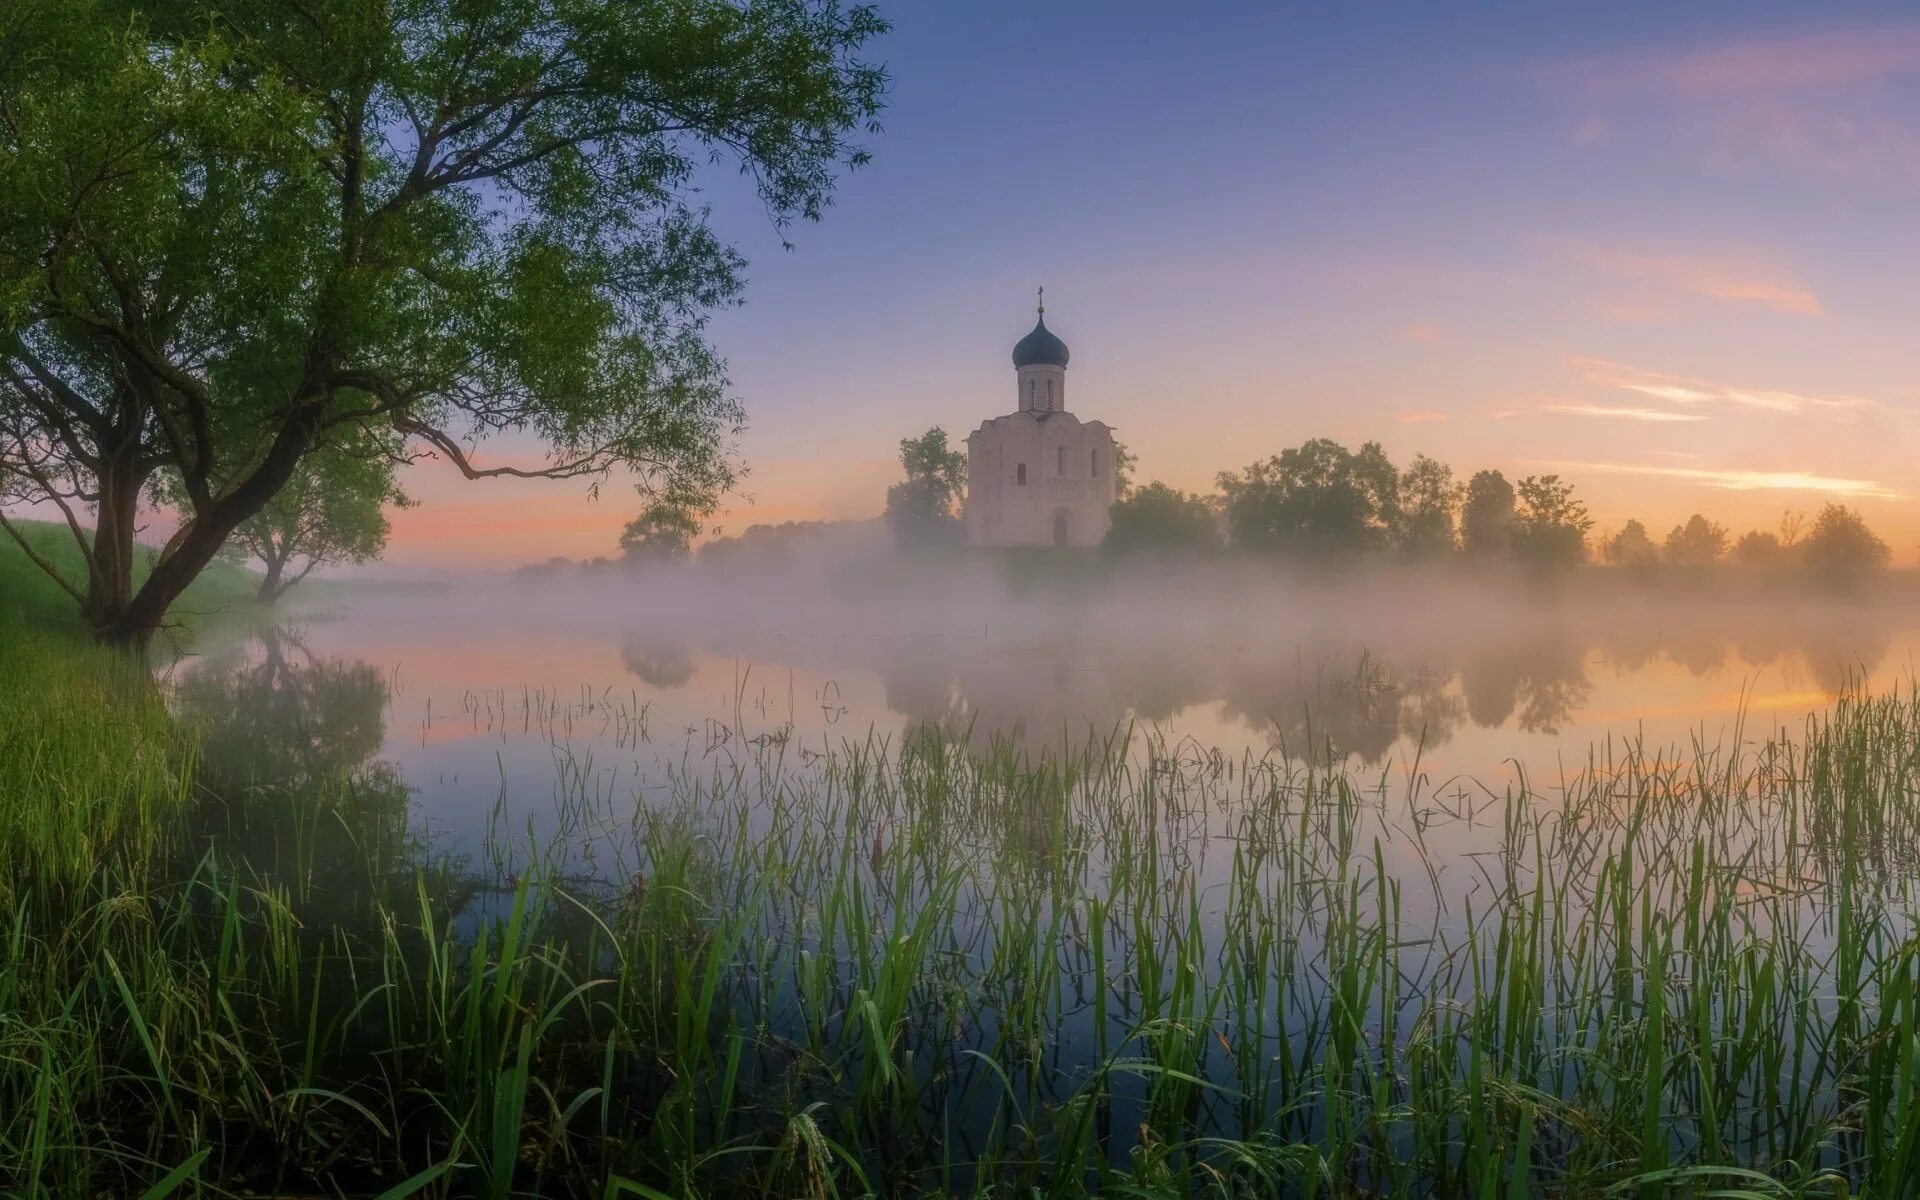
pixel 1663 251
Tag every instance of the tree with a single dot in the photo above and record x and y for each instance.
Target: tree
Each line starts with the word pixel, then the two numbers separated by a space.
pixel 1124 462
pixel 1319 500
pixel 1429 496
pixel 1486 518
pixel 1840 548
pixel 1631 547
pixel 1759 550
pixel 333 510
pixel 922 509
pixel 1550 526
pixel 1160 518
pixel 1698 543
pixel 662 533
pixel 231 230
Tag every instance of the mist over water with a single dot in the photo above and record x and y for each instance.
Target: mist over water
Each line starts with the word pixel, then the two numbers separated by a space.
pixel 1385 672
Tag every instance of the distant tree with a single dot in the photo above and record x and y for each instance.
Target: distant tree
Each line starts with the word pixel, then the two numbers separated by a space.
pixel 1698 543
pixel 662 533
pixel 1124 462
pixel 1758 549
pixel 332 510
pixel 1839 548
pixel 1157 517
pixel 1793 526
pixel 1631 547
pixel 1486 518
pixel 1429 497
pixel 1550 526
pixel 922 509
pixel 1319 500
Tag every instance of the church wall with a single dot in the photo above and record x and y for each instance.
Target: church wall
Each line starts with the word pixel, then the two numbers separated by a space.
pixel 1001 511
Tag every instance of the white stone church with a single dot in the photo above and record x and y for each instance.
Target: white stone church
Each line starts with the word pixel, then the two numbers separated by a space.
pixel 1039 476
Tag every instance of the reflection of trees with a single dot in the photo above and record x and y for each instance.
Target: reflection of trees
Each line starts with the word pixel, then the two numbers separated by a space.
pixel 1363 712
pixel 1364 682
pixel 293 788
pixel 663 662
pixel 1539 682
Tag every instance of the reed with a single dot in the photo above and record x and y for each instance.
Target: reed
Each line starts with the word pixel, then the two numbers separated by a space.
pixel 907 967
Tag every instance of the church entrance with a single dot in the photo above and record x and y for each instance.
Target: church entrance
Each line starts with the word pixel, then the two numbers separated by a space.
pixel 1061 522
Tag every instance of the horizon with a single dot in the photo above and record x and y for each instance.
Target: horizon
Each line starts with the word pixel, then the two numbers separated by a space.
pixel 1648 255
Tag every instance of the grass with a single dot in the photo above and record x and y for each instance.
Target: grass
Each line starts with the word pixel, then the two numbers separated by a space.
pixel 32 600
pixel 910 969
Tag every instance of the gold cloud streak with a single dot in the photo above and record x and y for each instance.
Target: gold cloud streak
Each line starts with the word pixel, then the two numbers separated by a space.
pixel 1623 414
pixel 1676 389
pixel 1745 481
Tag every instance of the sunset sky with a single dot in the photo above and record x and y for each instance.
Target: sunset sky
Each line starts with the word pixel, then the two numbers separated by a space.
pixel 1668 254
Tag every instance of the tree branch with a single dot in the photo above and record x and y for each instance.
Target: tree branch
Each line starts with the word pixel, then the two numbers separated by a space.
pixel 35 557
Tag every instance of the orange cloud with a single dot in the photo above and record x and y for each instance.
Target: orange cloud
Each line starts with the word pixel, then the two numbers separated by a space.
pixel 1420 417
pixel 1744 481
pixel 1621 414
pixel 1676 389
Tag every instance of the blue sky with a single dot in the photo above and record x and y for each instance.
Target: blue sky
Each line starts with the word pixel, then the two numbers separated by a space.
pixel 1663 252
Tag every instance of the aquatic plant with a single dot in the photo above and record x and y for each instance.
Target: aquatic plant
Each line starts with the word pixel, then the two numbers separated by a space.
pixel 909 967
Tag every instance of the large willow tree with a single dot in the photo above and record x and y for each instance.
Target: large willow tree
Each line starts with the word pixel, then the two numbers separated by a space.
pixel 234 233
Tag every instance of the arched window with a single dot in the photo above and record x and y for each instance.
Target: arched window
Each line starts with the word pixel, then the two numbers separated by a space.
pixel 1060 461
pixel 1049 395
pixel 1020 474
pixel 1093 463
pixel 1031 385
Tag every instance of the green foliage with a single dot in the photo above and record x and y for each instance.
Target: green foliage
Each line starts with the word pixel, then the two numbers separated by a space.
pixel 1486 517
pixel 1549 525
pixel 332 510
pixel 435 221
pixel 1631 547
pixel 1160 518
pixel 923 508
pixel 1698 543
pixel 662 533
pixel 30 597
pixel 1839 548
pixel 1319 500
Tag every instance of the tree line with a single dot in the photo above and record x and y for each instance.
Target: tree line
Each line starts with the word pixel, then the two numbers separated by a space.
pixel 1322 502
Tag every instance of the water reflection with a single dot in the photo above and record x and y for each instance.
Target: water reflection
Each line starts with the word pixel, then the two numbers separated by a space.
pixel 293 784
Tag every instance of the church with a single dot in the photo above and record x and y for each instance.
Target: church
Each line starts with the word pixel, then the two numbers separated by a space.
pixel 1039 476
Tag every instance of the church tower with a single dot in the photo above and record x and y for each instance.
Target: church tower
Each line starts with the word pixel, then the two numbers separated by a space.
pixel 1039 476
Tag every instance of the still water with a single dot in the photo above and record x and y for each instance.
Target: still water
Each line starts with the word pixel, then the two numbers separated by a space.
pixel 473 704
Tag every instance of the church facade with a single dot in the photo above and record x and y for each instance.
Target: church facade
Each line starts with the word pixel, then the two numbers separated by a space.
pixel 1039 476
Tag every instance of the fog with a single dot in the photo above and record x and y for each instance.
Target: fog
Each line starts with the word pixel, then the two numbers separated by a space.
pixel 1366 664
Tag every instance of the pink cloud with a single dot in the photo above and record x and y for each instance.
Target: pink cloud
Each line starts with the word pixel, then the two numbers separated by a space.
pixel 1734 278
pixel 1840 58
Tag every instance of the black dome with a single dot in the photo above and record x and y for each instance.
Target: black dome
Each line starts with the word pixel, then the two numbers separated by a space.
pixel 1040 346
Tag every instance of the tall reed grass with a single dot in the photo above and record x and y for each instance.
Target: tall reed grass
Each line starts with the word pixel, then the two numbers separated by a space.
pixel 910 968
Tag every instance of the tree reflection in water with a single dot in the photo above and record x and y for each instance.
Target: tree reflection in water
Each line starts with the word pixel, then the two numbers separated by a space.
pixel 292 785
pixel 1317 682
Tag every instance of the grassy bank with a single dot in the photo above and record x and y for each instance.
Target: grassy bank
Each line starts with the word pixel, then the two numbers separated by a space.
pixel 30 600
pixel 232 966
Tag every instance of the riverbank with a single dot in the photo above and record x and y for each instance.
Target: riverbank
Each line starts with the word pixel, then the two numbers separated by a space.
pixel 233 964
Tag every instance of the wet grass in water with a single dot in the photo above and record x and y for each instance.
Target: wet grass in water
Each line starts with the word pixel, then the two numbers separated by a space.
pixel 914 969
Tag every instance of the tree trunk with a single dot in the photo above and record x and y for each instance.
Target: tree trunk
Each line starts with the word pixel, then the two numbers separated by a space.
pixel 206 532
pixel 270 588
pixel 110 571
